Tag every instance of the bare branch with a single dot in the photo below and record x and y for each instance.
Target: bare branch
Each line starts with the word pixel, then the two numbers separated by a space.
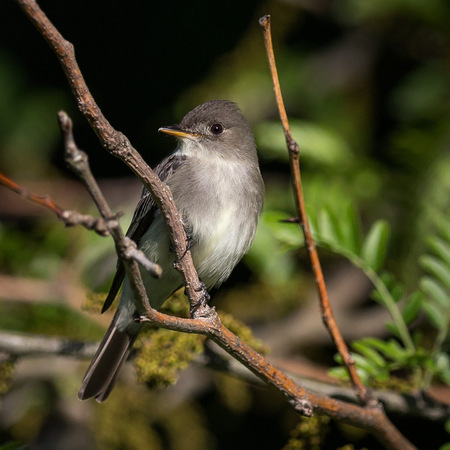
pixel 327 313
pixel 43 200
pixel 419 406
pixel 18 344
pixel 70 218
pixel 78 162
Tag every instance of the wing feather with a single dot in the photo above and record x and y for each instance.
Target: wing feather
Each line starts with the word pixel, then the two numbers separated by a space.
pixel 143 217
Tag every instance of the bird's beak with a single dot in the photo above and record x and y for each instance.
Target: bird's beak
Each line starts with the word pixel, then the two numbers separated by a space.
pixel 175 130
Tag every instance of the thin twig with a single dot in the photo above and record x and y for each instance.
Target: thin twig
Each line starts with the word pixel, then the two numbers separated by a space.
pixel 78 162
pixel 101 225
pixel 327 313
pixel 43 200
pixel 69 217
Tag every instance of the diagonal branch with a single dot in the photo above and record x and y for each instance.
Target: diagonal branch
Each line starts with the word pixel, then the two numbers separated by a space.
pixel 327 313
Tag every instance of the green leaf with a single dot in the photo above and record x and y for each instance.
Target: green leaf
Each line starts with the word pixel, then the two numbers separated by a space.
pixel 391 349
pixel 350 230
pixel 375 245
pixel 327 229
pixel 435 316
pixel 440 248
pixel 339 372
pixel 435 290
pixel 443 223
pixel 397 292
pixel 365 364
pixel 393 329
pixel 367 350
pixel 318 143
pixel 412 307
pixel 436 268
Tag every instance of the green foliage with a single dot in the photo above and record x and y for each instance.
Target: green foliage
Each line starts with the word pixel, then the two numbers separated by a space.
pixel 47 319
pixel 161 354
pixel 6 374
pixel 35 252
pixel 320 144
pixel 310 433
pixel 376 359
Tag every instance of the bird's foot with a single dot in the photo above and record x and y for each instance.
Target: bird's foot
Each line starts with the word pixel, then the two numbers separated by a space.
pixel 201 308
pixel 189 243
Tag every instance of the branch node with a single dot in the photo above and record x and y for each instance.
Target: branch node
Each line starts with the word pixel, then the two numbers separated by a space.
pixel 290 220
pixel 201 308
pixel 264 20
pixel 302 406
pixel 131 252
pixel 293 147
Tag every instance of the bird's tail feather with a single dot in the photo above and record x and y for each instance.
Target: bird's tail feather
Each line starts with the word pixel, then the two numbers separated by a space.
pixel 102 373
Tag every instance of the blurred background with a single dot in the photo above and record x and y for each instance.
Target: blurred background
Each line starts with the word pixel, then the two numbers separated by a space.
pixel 367 89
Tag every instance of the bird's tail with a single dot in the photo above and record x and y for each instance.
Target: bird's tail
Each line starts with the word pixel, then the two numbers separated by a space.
pixel 102 373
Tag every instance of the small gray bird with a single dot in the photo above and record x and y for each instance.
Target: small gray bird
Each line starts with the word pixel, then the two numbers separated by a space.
pixel 217 187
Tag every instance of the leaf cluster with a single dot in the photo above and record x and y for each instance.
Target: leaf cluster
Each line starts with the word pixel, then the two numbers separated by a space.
pixel 406 351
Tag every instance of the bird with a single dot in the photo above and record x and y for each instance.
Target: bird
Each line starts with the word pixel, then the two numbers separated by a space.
pixel 216 184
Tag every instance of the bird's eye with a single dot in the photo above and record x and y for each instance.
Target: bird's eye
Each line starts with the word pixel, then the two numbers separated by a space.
pixel 217 128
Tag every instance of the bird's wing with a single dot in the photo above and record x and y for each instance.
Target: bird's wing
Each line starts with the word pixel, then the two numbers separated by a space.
pixel 142 219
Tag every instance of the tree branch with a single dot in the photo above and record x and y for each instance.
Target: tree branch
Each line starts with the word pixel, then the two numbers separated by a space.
pixel 70 218
pixel 22 345
pixel 417 406
pixel 327 313
pixel 101 226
